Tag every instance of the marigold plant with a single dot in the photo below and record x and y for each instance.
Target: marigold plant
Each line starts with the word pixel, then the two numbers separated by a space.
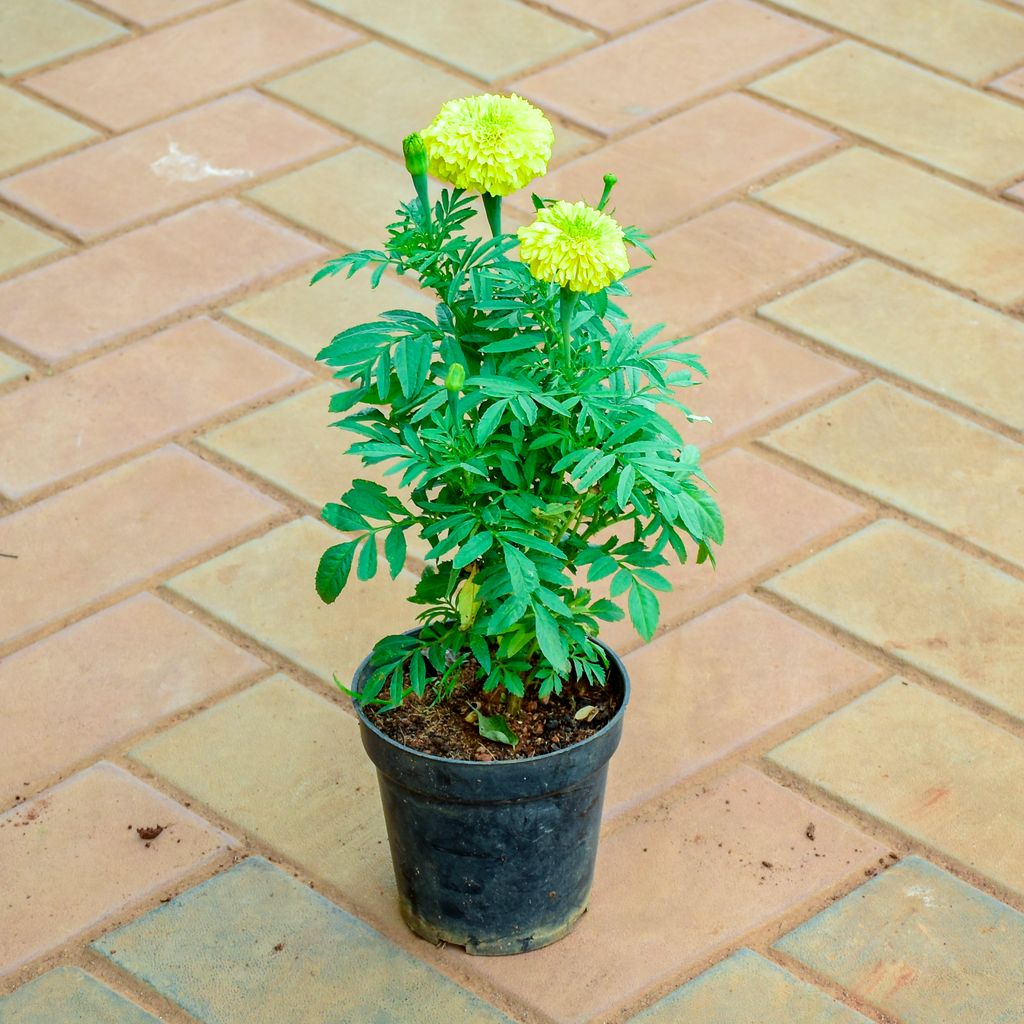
pixel 523 424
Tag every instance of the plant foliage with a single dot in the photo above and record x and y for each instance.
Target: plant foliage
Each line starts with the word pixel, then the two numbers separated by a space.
pixel 543 473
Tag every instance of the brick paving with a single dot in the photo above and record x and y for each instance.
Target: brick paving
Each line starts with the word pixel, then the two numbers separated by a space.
pixel 835 191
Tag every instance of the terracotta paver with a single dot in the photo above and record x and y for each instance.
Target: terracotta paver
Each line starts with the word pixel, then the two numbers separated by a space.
pixel 730 141
pixel 64 424
pixel 374 91
pixel 184 63
pixel 102 680
pixel 920 943
pixel 11 369
pixel 971 38
pixel 152 12
pixel 614 15
pixel 491 41
pixel 306 319
pixel 1012 84
pixel 835 195
pixel 910 443
pixel 186 158
pixel 934 770
pixel 146 516
pixel 754 375
pixel 905 108
pixel 924 603
pixel 69 990
pixel 726 258
pixel 41 31
pixel 777 669
pixel 946 231
pixel 748 987
pixel 328 963
pixel 654 69
pixel 85 828
pixel 770 515
pixel 21 244
pixel 30 130
pixel 930 336
pixel 265 589
pixel 696 896
pixel 191 258
pixel 249 756
pixel 350 198
pixel 291 445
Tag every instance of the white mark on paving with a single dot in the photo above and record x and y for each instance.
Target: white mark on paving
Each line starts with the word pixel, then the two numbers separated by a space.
pixel 921 892
pixel 178 166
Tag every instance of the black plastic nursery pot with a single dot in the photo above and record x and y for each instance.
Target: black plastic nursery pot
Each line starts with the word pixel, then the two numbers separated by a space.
pixel 494 856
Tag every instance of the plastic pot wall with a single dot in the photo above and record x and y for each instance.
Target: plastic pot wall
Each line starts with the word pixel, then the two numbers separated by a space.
pixel 494 856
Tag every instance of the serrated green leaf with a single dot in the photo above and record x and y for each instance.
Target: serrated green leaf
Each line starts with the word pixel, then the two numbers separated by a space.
pixel 552 643
pixel 521 570
pixel 477 545
pixel 342 518
pixel 394 550
pixel 367 567
pixel 622 582
pixel 333 570
pixel 607 610
pixel 489 420
pixel 643 611
pixel 627 479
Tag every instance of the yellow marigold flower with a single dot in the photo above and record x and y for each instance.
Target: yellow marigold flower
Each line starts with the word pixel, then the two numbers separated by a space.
pixel 574 245
pixel 492 144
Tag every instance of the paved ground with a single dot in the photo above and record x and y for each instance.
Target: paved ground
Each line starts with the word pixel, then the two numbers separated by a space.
pixel 828 825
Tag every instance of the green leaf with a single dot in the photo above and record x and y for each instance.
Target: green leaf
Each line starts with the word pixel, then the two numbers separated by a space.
pixel 489 420
pixel 552 643
pixel 394 550
pixel 477 545
pixel 342 401
pixel 418 674
pixel 412 363
pixel 607 610
pixel 507 614
pixel 521 570
pixel 494 727
pixel 342 518
pixel 625 486
pixel 367 567
pixel 332 572
pixel 643 611
pixel 622 582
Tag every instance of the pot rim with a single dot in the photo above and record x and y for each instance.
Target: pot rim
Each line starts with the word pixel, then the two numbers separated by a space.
pixel 512 762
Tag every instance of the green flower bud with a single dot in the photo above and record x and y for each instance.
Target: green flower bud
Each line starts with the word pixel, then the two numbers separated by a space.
pixel 456 378
pixel 415 151
pixel 610 181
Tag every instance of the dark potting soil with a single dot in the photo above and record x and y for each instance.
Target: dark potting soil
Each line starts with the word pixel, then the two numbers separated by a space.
pixel 442 729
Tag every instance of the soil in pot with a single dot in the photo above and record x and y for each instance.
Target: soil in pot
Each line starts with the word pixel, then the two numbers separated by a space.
pixel 443 729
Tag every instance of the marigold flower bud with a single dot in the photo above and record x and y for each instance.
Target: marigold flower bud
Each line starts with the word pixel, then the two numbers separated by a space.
pixel 456 377
pixel 415 150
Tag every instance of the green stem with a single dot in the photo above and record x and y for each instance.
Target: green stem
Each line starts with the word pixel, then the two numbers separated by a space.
pixel 423 194
pixel 492 207
pixel 567 303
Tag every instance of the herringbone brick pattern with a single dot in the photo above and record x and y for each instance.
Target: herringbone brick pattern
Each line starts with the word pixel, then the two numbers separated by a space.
pixel 834 191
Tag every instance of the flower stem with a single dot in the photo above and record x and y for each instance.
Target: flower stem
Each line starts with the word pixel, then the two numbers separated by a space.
pixel 567 304
pixel 423 194
pixel 492 207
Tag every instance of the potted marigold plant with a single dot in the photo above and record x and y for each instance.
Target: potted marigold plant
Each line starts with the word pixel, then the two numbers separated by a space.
pixel 523 426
